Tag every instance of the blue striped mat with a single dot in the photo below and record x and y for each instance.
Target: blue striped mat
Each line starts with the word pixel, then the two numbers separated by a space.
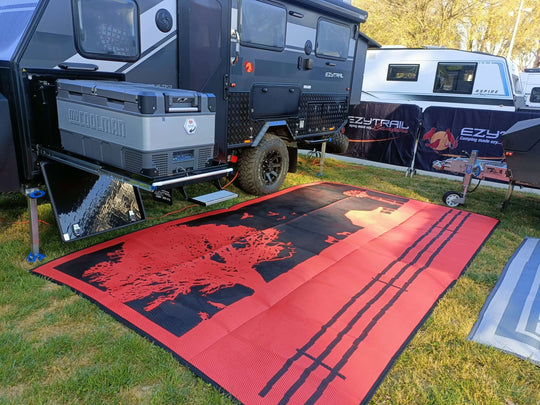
pixel 510 318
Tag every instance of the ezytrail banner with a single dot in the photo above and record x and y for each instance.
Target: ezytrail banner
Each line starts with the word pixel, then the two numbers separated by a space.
pixel 453 132
pixel 383 132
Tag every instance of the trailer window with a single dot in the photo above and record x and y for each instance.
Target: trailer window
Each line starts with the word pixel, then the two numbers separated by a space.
pixel 455 78
pixel 407 73
pixel 14 18
pixel 332 40
pixel 535 95
pixel 107 29
pixel 263 25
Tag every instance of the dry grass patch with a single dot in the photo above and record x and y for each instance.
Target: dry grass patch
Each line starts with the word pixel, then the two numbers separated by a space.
pixel 34 321
pixel 9 394
pixel 62 367
pixel 140 394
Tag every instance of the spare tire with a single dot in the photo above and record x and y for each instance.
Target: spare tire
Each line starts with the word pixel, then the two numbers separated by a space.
pixel 338 144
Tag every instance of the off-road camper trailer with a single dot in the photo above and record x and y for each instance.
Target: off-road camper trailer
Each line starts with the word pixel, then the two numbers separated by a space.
pixel 163 93
pixel 440 77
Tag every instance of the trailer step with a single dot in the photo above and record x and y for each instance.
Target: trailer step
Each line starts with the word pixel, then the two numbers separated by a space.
pixel 214 198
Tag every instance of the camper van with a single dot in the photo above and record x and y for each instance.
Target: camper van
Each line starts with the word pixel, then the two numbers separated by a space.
pixel 530 82
pixel 440 77
pixel 161 94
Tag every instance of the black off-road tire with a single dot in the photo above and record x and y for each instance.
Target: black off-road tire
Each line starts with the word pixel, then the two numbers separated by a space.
pixel 338 144
pixel 262 170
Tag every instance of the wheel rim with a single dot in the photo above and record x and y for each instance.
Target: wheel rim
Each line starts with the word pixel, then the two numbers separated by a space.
pixel 271 167
pixel 452 200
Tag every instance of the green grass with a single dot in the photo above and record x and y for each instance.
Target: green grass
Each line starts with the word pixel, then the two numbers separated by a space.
pixel 56 347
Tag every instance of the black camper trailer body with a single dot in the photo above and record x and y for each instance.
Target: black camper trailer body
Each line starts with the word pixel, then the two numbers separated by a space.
pixel 276 73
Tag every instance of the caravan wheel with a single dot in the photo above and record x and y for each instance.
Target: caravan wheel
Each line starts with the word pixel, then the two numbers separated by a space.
pixel 262 170
pixel 452 198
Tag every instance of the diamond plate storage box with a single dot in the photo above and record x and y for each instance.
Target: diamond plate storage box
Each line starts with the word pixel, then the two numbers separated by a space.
pixel 140 128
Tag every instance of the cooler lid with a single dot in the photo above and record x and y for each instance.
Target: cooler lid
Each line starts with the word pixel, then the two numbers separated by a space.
pixel 148 98
pixel 121 91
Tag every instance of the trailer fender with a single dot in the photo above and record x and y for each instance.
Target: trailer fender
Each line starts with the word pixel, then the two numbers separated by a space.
pixel 266 128
pixel 281 129
pixel 9 177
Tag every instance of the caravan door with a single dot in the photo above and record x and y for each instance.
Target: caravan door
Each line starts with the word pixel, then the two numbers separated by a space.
pixel 203 45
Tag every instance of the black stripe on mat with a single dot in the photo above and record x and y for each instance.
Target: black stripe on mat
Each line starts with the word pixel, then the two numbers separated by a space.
pixel 353 299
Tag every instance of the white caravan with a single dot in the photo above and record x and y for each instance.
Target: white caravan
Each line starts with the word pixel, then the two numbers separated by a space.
pixel 530 82
pixel 440 77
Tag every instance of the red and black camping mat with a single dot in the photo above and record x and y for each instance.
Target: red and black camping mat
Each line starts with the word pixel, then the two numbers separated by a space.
pixel 303 296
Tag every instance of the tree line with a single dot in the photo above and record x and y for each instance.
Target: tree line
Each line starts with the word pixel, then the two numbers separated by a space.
pixel 473 25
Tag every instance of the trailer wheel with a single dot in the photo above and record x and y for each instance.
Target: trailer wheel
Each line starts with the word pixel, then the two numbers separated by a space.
pixel 262 170
pixel 451 198
pixel 338 144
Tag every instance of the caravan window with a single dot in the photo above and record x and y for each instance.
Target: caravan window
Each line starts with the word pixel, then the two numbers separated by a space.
pixel 14 18
pixel 107 29
pixel 535 95
pixel 408 73
pixel 332 40
pixel 455 78
pixel 263 25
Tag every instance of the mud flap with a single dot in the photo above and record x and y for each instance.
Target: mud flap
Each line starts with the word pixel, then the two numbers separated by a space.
pixel 86 204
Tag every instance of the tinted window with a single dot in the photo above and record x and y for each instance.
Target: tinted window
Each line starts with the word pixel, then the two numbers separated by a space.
pixel 535 95
pixel 332 40
pixel 14 18
pixel 455 78
pixel 107 29
pixel 403 72
pixel 263 25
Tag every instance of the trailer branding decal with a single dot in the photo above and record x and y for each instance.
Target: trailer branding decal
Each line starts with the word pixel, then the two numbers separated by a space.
pixel 440 140
pixel 378 124
pixel 481 133
pixel 248 66
pixel 486 91
pixel 333 75
pixel 100 123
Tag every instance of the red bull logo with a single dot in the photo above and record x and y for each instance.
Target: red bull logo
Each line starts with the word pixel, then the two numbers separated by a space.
pixel 439 140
